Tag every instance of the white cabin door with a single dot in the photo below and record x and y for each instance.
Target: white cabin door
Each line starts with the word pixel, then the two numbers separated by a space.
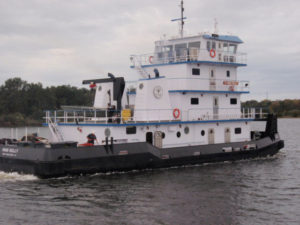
pixel 215 107
pixel 212 79
pixel 211 136
pixel 158 139
pixel 227 135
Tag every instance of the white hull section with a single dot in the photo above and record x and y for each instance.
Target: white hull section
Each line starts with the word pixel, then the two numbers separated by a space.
pixel 163 136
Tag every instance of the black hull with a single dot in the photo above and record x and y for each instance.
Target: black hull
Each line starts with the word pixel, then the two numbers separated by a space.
pixel 49 162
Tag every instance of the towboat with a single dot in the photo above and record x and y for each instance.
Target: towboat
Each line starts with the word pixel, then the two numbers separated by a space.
pixel 185 109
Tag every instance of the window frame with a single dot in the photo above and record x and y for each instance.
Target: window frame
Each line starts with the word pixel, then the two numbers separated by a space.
pixel 238 130
pixel 233 101
pixel 193 102
pixel 131 130
pixel 196 69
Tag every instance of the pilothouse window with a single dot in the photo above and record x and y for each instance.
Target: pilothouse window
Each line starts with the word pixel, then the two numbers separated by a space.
pixel 225 47
pixel 213 45
pixel 194 48
pixel 194 44
pixel 208 45
pixel 232 48
pixel 181 52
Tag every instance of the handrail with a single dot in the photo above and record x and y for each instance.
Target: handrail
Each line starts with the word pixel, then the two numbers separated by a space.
pixel 184 55
pixel 193 114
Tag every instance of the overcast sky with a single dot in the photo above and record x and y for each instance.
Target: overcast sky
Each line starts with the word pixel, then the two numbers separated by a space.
pixel 59 42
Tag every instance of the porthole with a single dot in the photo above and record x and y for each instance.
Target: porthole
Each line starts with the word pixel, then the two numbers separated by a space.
pixel 163 135
pixel 186 130
pixel 202 133
pixel 141 85
pixel 99 88
pixel 178 134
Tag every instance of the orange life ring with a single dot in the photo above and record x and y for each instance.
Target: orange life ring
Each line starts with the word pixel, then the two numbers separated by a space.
pixel 176 113
pixel 150 59
pixel 212 53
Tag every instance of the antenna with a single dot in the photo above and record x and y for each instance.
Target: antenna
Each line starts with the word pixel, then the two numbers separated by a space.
pixel 216 26
pixel 181 19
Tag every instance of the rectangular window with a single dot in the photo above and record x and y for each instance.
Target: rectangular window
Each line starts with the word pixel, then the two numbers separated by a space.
pixel 238 130
pixel 232 48
pixel 194 101
pixel 228 73
pixel 225 47
pixel 194 44
pixel 130 130
pixel 208 45
pixel 196 71
pixel 233 101
pixel 213 45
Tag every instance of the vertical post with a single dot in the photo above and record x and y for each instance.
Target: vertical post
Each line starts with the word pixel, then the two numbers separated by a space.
pixel 26 133
pixel 16 133
pixel 261 115
pixel 54 116
pixel 182 22
pixel 65 117
pixel 95 114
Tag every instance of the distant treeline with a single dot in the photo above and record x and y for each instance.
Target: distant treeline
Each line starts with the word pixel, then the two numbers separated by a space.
pixel 23 103
pixel 283 108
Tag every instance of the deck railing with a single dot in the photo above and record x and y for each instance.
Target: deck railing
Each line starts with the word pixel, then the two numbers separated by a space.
pixel 98 116
pixel 186 55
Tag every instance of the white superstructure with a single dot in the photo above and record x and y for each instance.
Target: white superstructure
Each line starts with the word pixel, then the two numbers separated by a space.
pixel 188 94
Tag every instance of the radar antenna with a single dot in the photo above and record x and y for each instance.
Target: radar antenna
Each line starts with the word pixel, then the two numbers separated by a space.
pixel 181 19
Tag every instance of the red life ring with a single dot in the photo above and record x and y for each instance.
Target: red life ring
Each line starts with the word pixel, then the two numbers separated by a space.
pixel 92 85
pixel 212 53
pixel 176 113
pixel 150 59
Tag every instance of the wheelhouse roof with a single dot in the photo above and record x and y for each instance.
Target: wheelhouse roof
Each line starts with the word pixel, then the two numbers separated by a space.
pixel 228 38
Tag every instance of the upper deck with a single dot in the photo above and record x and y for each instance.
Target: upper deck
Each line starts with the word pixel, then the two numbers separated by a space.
pixel 204 48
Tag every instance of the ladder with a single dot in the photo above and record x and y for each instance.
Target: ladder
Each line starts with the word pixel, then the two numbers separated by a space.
pixel 142 71
pixel 138 66
pixel 57 135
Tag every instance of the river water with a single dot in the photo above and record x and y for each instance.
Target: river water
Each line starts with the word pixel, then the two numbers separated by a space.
pixel 261 191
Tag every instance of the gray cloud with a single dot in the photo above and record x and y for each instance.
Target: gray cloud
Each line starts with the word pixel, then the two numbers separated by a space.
pixel 65 41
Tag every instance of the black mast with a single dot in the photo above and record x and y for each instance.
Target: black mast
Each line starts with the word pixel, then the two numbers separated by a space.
pixel 182 22
pixel 181 19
